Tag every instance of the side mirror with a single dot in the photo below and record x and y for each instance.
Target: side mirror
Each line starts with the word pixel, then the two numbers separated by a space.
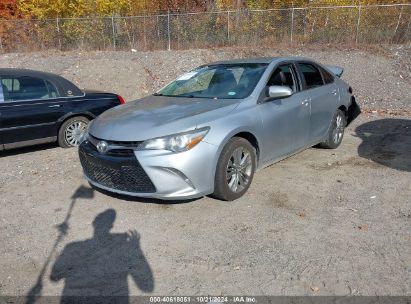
pixel 275 92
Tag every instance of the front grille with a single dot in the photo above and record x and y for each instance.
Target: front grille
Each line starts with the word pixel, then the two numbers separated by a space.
pixel 121 152
pixel 122 148
pixel 120 172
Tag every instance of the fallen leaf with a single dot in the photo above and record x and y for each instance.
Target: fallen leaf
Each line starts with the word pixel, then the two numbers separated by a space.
pixel 363 227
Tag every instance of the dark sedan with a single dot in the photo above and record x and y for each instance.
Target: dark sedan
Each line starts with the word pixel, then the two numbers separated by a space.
pixel 38 107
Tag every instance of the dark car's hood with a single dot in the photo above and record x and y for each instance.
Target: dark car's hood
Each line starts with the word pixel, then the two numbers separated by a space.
pixel 156 116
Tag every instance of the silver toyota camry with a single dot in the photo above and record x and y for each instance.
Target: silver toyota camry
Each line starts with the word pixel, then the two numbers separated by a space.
pixel 208 131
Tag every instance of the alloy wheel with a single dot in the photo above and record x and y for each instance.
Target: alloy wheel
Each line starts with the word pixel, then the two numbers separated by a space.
pixel 338 131
pixel 239 169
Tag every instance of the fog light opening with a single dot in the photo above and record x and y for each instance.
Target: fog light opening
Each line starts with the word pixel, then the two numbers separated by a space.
pixel 181 175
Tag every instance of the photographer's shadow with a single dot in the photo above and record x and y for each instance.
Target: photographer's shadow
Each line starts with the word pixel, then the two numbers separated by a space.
pixel 99 267
pixel 387 142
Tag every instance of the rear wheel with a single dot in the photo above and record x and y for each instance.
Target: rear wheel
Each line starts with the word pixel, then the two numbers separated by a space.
pixel 71 131
pixel 336 132
pixel 235 169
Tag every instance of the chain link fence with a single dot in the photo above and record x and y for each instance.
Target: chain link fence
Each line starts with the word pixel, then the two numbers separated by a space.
pixel 331 24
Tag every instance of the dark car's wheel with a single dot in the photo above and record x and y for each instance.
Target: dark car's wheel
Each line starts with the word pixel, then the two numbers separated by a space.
pixel 71 130
pixel 336 132
pixel 235 169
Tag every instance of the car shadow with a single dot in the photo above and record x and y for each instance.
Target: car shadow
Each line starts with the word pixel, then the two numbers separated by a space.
pixel 147 200
pixel 28 149
pixel 386 142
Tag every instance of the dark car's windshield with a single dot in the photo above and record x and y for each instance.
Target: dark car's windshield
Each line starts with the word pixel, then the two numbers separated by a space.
pixel 233 81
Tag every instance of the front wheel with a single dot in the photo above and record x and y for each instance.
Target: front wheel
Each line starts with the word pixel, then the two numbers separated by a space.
pixel 235 169
pixel 71 130
pixel 336 132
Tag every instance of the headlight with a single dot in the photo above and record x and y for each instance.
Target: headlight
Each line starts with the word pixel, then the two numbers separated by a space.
pixel 177 142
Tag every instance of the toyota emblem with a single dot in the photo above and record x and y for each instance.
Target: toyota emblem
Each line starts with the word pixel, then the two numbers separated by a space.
pixel 102 146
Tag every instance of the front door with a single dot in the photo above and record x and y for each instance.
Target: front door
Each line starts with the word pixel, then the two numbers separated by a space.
pixel 285 121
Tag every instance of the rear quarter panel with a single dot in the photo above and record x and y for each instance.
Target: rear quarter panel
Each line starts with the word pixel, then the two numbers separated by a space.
pixel 345 96
pixel 91 105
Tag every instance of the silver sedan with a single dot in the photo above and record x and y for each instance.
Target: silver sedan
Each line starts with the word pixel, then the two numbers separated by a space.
pixel 208 131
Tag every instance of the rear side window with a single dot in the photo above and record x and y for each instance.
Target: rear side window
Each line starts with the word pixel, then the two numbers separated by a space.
pixel 328 78
pixel 27 88
pixel 311 74
pixel 52 90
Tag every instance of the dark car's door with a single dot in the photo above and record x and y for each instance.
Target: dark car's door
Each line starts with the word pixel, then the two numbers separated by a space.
pixel 324 98
pixel 285 121
pixel 30 110
pixel 1 102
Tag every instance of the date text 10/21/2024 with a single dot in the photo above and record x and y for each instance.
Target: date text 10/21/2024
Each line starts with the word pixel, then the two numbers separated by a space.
pixel 203 299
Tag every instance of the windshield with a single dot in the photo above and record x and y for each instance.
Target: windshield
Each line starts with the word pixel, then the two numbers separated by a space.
pixel 233 81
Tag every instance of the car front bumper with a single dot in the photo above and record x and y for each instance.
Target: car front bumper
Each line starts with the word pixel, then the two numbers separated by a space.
pixel 152 173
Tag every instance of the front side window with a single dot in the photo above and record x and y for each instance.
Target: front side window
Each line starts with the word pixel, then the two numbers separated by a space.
pixel 283 76
pixel 312 75
pixel 27 88
pixel 231 81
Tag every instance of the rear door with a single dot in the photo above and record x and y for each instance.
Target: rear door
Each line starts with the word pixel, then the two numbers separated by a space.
pixel 324 97
pixel 1 102
pixel 30 110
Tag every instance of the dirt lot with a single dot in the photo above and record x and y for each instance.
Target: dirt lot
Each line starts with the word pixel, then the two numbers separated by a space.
pixel 323 222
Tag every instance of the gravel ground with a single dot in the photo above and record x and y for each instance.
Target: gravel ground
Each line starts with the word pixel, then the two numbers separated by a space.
pixel 380 76
pixel 323 222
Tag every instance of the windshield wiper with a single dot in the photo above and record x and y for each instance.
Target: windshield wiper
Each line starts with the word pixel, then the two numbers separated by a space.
pixel 158 94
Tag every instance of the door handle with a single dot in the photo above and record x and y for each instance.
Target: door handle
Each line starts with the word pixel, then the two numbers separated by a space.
pixel 334 92
pixel 55 106
pixel 305 102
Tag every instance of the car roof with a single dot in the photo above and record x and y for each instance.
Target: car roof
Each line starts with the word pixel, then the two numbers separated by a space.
pixel 27 72
pixel 266 60
pixel 62 83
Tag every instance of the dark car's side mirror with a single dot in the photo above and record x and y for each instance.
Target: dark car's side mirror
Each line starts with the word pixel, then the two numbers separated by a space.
pixel 276 92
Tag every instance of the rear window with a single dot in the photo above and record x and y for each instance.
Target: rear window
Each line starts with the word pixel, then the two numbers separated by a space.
pixel 312 75
pixel 27 88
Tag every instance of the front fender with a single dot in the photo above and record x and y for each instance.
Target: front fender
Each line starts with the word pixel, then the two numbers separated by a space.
pixel 227 138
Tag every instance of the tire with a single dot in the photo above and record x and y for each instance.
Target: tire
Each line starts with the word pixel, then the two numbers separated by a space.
pixel 336 132
pixel 228 188
pixel 70 131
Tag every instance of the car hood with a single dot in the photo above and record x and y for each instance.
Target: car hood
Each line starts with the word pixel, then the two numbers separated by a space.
pixel 156 116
